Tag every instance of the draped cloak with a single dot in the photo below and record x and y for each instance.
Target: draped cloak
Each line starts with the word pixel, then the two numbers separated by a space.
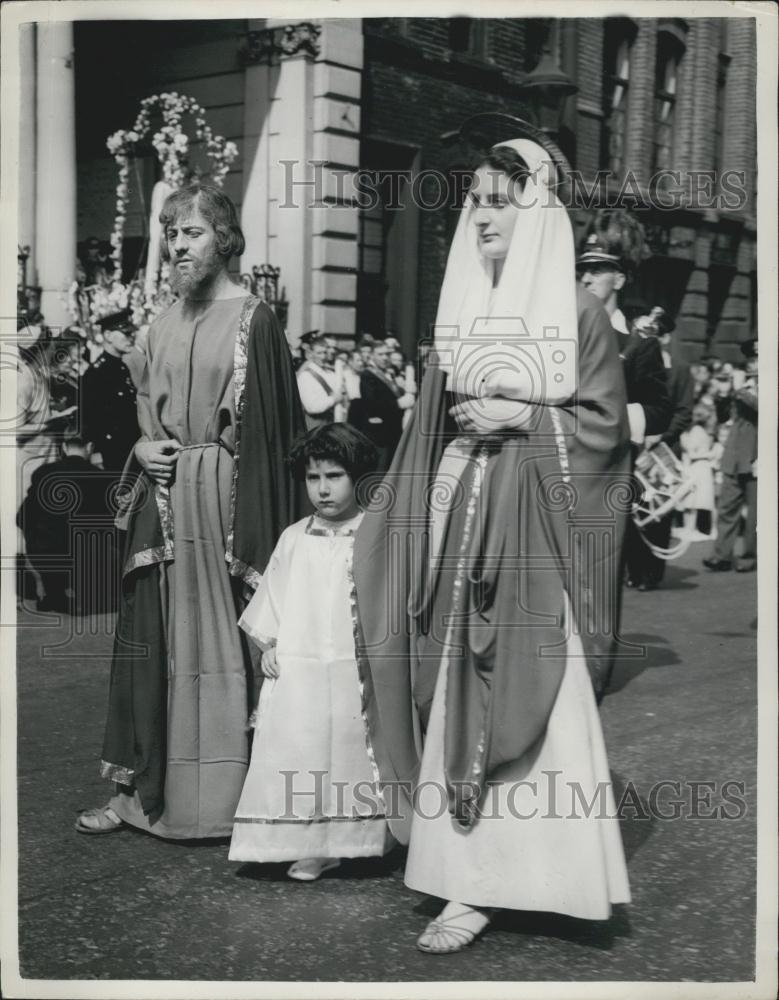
pixel 552 510
pixel 219 380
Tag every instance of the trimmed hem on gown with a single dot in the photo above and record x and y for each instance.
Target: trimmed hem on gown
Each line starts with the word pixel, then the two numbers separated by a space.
pixel 310 791
pixel 557 859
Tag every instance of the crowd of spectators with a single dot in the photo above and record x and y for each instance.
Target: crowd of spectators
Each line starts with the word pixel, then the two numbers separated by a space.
pixel 75 430
pixel 77 413
pixel 373 387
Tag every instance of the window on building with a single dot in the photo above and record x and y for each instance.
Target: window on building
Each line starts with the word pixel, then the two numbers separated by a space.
pixel 617 42
pixel 468 36
pixel 538 35
pixel 389 251
pixel 372 281
pixel 670 49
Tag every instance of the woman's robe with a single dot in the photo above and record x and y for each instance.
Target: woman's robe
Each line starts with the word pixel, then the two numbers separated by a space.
pixel 553 507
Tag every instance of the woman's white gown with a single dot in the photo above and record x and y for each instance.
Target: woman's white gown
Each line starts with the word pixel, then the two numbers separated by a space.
pixel 535 847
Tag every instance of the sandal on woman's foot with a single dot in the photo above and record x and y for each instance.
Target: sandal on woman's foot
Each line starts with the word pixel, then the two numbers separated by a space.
pixel 309 869
pixel 453 930
pixel 101 820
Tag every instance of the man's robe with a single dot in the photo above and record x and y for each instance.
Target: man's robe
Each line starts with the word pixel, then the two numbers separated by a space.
pixel 219 381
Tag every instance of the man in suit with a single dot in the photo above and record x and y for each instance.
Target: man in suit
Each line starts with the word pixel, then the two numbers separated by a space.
pixel 645 569
pixel 317 384
pixel 382 401
pixel 739 479
pixel 68 498
pixel 608 259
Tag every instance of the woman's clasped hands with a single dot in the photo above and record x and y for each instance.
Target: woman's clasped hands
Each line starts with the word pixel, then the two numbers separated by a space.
pixel 493 415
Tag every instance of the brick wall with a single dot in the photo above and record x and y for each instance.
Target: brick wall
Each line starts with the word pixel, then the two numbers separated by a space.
pixel 704 42
pixel 409 98
pixel 118 63
pixel 413 89
pixel 415 95
pixel 740 150
pixel 589 100
pixel 641 100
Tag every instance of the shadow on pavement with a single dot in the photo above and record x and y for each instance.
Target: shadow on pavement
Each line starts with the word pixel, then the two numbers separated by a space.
pixel 679 578
pixel 350 868
pixel 657 653
pixel 636 822
pixel 600 934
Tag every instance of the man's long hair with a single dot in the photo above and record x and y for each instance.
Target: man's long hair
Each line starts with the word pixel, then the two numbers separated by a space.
pixel 215 207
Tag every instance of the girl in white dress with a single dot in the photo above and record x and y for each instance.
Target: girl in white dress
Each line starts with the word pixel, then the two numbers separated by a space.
pixel 310 792
pixel 698 459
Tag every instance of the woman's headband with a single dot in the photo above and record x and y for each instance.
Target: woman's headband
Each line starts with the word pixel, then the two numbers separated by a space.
pixel 496 128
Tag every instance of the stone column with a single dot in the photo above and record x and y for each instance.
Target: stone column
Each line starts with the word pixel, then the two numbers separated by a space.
pixel 701 125
pixel 641 101
pixel 26 206
pixel 740 138
pixel 301 132
pixel 290 186
pixel 260 79
pixel 55 228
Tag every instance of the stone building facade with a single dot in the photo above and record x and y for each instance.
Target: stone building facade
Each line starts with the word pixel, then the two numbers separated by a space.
pixel 316 107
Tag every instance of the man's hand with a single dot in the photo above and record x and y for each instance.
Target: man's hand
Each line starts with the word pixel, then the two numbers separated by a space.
pixel 158 459
pixel 269 666
pixel 491 416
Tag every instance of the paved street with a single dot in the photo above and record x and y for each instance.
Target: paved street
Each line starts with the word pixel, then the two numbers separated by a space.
pixel 129 906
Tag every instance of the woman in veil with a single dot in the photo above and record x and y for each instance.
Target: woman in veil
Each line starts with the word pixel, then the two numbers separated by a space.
pixel 487 573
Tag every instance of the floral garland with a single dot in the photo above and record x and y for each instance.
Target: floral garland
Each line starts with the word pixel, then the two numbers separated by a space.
pixel 110 294
pixel 88 305
pixel 172 146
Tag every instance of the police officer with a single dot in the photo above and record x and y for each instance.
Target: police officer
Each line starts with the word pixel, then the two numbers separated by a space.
pixel 108 411
pixel 608 259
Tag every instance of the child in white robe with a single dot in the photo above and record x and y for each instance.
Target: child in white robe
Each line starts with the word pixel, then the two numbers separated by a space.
pixel 698 457
pixel 310 795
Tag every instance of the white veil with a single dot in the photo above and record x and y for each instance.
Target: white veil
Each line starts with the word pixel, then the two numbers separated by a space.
pixel 519 339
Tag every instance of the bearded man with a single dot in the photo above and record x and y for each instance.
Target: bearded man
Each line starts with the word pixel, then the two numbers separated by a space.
pixel 218 409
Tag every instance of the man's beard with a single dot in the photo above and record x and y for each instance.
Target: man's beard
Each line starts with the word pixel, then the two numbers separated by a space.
pixel 199 274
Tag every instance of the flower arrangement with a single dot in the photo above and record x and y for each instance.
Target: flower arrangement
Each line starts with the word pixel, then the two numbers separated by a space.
pixel 172 145
pixel 173 150
pixel 87 304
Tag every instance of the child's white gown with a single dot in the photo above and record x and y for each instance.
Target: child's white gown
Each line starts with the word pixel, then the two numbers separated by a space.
pixel 311 786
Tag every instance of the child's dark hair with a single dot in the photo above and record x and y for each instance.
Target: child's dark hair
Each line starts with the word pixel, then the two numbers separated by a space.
pixel 339 443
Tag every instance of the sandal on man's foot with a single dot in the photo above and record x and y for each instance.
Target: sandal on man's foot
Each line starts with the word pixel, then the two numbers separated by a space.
pixel 101 820
pixel 454 931
pixel 309 869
